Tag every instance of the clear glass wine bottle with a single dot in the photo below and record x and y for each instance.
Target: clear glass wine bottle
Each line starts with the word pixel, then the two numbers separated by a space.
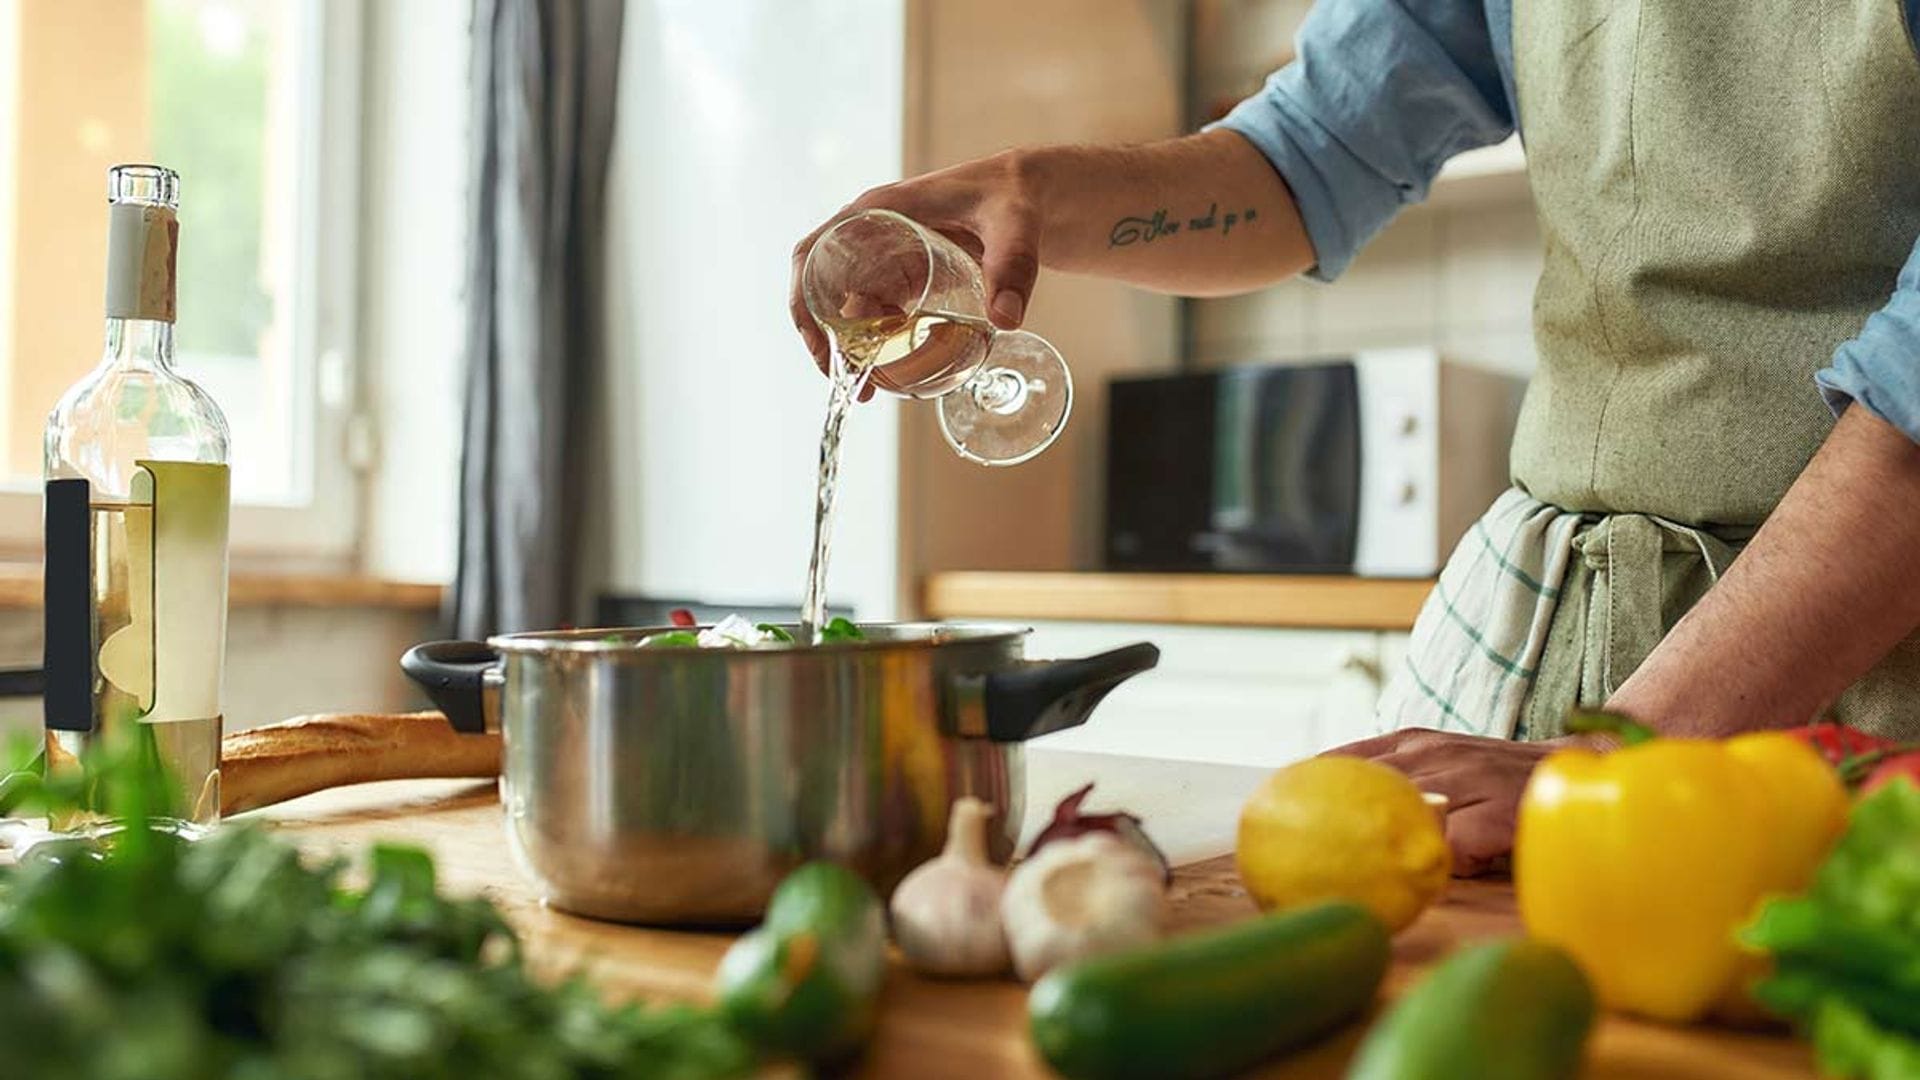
pixel 150 448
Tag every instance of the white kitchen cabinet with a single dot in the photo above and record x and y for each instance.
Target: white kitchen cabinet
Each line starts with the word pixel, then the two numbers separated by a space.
pixel 1235 695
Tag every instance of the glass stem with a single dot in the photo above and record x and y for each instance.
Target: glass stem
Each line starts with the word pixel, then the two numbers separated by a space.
pixel 1000 391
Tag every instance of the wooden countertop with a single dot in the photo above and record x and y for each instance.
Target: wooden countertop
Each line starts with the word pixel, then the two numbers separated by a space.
pixel 933 1029
pixel 20 588
pixel 1284 600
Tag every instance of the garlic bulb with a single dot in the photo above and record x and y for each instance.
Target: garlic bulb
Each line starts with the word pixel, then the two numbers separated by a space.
pixel 1081 897
pixel 946 913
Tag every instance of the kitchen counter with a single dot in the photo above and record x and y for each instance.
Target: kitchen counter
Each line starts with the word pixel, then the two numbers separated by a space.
pixel 1323 601
pixel 932 1029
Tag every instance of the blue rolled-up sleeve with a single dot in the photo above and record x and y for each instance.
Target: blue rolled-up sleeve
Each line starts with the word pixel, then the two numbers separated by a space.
pixel 1880 368
pixel 1380 94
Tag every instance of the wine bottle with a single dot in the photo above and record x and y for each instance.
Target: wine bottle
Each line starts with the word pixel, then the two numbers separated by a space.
pixel 137 499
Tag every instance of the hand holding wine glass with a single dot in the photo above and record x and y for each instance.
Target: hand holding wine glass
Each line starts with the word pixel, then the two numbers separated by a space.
pixel 987 208
pixel 907 309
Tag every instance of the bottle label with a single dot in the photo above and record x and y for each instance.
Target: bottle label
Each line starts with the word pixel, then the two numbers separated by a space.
pixel 142 242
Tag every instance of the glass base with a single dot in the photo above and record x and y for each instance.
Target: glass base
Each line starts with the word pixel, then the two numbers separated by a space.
pixel 1014 406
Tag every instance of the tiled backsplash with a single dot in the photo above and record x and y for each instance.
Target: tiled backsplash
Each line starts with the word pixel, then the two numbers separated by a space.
pixel 1456 277
pixel 1456 274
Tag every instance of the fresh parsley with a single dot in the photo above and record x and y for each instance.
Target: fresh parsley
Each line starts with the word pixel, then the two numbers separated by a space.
pixel 152 957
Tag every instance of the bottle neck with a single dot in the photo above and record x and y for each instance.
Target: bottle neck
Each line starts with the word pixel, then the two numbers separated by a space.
pixel 139 344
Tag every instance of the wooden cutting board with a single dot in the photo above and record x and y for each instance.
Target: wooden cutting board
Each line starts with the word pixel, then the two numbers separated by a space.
pixel 932 1029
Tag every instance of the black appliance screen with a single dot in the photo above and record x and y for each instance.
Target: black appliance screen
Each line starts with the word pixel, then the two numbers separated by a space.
pixel 1248 469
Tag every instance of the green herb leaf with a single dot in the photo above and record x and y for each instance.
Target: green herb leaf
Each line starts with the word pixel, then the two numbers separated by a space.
pixel 778 633
pixel 839 628
pixel 1847 954
pixel 150 956
pixel 1851 1044
pixel 670 639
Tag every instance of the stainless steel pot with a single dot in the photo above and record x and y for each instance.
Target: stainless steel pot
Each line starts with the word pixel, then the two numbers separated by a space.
pixel 680 785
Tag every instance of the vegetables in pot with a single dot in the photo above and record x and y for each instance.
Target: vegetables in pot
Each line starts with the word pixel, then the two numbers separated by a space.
pixel 946 913
pixel 735 632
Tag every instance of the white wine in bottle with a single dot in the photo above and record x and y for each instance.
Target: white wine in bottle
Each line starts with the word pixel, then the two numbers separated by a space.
pixel 136 517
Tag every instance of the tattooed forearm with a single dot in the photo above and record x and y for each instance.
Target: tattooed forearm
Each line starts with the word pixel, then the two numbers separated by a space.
pixel 1146 230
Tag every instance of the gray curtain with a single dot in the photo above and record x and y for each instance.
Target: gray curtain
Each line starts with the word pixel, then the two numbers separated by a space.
pixel 544 78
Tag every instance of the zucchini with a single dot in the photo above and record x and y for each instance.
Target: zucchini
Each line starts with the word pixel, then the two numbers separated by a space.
pixel 1213 1003
pixel 1507 1010
pixel 806 983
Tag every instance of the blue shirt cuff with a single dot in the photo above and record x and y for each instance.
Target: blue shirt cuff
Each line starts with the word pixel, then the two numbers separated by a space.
pixel 1314 166
pixel 1879 369
pixel 1379 95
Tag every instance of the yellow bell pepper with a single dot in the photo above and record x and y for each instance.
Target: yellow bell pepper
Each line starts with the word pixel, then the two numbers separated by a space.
pixel 1642 862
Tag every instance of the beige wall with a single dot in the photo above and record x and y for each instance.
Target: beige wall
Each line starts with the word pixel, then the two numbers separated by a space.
pixel 983 75
pixel 1456 277
pixel 1456 274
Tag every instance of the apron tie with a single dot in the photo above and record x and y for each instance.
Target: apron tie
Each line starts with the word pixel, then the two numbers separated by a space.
pixel 1627 604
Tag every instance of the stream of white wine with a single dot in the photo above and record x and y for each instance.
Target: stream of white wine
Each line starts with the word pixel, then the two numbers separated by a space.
pixel 915 355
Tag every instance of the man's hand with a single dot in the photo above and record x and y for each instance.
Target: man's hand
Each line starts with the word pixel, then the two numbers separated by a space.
pixel 1201 215
pixel 988 207
pixel 1481 778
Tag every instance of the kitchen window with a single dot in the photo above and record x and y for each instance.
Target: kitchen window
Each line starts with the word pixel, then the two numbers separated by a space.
pixel 256 104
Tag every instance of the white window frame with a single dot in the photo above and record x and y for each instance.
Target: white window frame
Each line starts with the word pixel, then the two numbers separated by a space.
pixel 323 530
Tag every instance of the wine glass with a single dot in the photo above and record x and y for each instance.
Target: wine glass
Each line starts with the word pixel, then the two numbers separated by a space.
pixel 908 308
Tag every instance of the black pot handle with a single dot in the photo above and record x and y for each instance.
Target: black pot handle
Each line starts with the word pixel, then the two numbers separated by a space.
pixel 454 675
pixel 1042 696
pixel 23 682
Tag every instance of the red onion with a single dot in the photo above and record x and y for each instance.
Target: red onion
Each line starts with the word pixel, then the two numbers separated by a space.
pixel 1068 822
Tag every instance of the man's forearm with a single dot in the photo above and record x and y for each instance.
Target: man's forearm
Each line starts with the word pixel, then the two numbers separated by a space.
pixel 1203 215
pixel 1829 584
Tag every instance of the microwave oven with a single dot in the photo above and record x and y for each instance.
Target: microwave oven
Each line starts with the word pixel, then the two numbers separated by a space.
pixel 1375 464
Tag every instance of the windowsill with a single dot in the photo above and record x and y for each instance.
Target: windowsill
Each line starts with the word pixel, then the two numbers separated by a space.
pixel 20 588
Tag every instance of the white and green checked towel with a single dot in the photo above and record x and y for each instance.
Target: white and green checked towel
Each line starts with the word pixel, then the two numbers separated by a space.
pixel 1476 647
pixel 1550 603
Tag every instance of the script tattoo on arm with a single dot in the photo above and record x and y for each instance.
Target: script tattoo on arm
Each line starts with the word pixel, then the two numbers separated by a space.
pixel 1145 230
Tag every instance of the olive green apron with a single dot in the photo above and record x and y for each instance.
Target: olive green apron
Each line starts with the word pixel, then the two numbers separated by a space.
pixel 1727 189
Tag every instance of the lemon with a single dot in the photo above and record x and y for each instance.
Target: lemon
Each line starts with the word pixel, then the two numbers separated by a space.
pixel 1342 828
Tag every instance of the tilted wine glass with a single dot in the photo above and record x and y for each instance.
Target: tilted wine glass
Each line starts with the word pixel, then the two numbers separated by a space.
pixel 909 306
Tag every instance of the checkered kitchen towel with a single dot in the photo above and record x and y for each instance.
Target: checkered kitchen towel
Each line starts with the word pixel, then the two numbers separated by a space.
pixel 1476 646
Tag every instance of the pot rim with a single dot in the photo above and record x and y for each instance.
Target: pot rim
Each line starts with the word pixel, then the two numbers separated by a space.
pixel 624 640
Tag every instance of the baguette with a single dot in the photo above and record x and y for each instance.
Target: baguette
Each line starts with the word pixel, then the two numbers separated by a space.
pixel 265 765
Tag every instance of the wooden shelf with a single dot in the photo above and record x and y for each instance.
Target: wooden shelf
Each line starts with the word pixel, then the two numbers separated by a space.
pixel 1303 600
pixel 20 588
